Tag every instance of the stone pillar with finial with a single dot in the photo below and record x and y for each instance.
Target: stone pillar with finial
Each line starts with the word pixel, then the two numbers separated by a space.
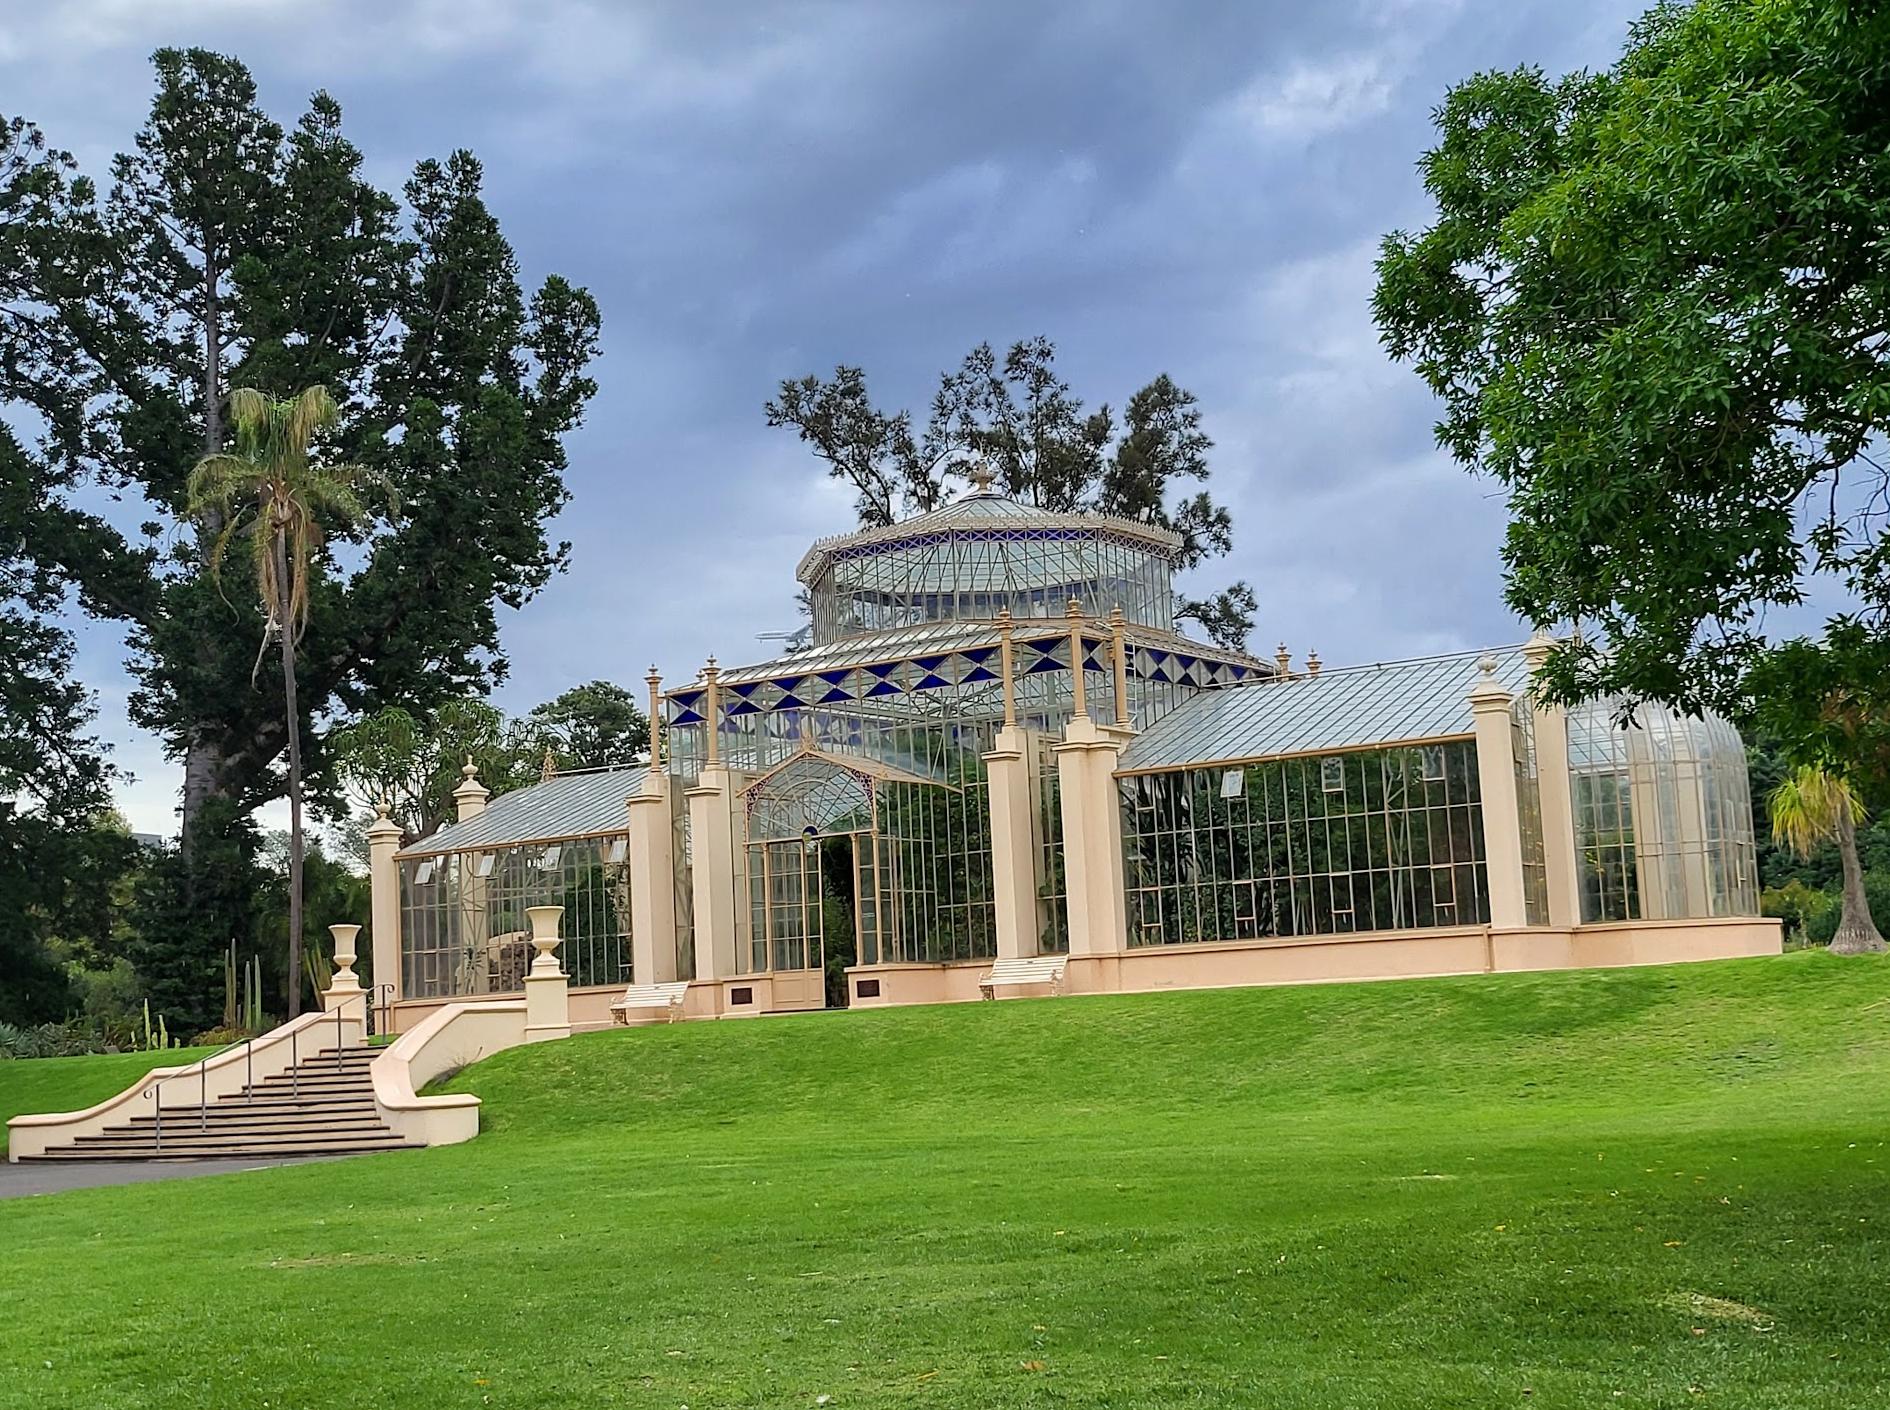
pixel 716 858
pixel 1283 661
pixel 652 859
pixel 383 839
pixel 547 987
pixel 1562 872
pixel 1490 705
pixel 1092 830
pixel 1313 663
pixel 1014 840
pixel 471 795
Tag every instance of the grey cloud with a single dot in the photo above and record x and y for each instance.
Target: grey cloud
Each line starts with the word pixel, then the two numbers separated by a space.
pixel 756 191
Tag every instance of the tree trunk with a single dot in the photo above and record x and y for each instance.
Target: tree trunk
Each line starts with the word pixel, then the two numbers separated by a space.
pixel 202 761
pixel 295 775
pixel 212 356
pixel 1856 932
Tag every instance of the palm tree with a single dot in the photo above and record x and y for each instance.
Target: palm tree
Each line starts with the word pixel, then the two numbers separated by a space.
pixel 1811 807
pixel 268 488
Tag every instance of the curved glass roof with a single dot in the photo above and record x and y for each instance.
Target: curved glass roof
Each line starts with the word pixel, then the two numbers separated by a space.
pixel 983 556
pixel 977 513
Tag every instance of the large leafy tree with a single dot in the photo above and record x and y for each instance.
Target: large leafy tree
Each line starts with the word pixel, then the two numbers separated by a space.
pixel 592 726
pixel 228 251
pixel 1015 413
pixel 269 489
pixel 1655 304
pixel 414 762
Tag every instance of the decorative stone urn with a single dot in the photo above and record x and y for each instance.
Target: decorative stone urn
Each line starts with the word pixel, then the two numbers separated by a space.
pixel 345 977
pixel 547 990
pixel 344 986
pixel 544 922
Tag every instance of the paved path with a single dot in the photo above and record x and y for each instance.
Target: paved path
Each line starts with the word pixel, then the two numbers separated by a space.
pixel 52 1177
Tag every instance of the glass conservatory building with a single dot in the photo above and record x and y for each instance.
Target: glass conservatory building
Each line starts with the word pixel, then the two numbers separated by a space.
pixel 998 767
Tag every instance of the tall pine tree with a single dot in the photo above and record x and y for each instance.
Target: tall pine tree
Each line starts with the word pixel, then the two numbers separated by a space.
pixel 230 252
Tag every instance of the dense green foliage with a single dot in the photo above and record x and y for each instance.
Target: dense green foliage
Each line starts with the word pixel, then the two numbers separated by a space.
pixel 415 763
pixel 1637 1187
pixel 227 251
pixel 1655 303
pixel 1016 414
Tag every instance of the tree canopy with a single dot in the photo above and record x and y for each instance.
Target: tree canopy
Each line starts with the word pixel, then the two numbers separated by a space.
pixel 225 250
pixel 1655 303
pixel 415 763
pixel 1017 414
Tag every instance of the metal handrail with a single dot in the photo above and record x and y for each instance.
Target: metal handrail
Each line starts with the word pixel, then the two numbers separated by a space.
pixel 152 1092
pixel 384 1007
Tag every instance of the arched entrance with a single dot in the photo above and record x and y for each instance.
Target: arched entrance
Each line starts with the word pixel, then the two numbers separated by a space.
pixel 812 828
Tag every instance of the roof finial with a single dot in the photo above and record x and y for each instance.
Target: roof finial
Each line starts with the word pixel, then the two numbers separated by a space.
pixel 981 475
pixel 470 770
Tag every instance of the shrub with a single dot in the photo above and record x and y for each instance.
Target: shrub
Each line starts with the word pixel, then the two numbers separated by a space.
pixel 1820 928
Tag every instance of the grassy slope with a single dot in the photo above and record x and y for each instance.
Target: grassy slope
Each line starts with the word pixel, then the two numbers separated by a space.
pixel 73 1083
pixel 1639 1188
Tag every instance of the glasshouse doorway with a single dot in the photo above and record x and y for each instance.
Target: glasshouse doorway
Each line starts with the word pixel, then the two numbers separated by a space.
pixel 821 876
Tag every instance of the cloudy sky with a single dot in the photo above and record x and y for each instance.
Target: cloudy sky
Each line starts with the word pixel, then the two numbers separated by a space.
pixel 758 191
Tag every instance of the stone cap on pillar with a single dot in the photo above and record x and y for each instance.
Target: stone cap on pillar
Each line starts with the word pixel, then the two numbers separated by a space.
pixel 471 794
pixel 1486 691
pixel 383 829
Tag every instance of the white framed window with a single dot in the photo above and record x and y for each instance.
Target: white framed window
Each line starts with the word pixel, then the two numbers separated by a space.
pixel 1233 783
pixel 1332 774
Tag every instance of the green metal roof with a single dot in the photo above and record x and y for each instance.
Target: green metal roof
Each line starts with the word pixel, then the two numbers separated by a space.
pixel 1350 708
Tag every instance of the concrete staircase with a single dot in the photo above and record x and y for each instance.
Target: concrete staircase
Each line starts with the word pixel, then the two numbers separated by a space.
pixel 325 1106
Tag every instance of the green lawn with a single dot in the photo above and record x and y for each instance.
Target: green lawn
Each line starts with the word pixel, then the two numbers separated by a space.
pixel 73 1083
pixel 1639 1188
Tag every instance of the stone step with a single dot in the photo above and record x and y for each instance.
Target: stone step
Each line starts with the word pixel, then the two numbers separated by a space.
pixel 264 1100
pixel 248 1142
pixel 247 1120
pixel 223 1151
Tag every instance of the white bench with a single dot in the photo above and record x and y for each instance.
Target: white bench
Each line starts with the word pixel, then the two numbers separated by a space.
pixel 1035 969
pixel 667 997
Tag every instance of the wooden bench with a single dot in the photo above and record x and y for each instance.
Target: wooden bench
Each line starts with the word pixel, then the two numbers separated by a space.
pixel 667 997
pixel 1034 969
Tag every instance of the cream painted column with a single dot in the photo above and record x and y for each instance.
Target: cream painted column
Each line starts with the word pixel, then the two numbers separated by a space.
pixel 383 838
pixel 474 921
pixel 1013 823
pixel 713 872
pixel 652 882
pixel 1555 785
pixel 471 795
pixel 1496 785
pixel 1092 818
pixel 1092 837
pixel 547 988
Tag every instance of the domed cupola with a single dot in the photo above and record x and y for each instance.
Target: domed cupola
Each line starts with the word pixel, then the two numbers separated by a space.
pixel 984 554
